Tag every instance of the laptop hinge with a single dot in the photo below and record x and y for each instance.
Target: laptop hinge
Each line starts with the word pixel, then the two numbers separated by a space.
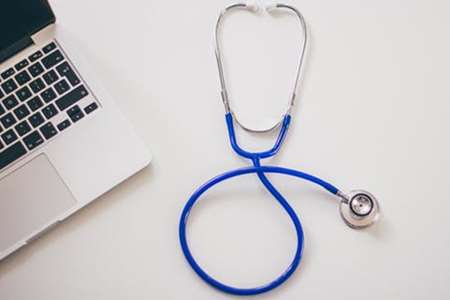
pixel 15 48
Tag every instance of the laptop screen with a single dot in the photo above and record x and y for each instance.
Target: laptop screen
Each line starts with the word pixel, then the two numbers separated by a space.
pixel 22 18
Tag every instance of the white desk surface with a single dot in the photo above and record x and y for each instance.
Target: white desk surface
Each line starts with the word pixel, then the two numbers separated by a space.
pixel 374 113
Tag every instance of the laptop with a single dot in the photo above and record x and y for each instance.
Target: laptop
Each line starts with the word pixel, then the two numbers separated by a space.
pixel 63 142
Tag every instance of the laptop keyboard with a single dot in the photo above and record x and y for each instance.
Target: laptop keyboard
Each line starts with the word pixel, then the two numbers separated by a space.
pixel 39 98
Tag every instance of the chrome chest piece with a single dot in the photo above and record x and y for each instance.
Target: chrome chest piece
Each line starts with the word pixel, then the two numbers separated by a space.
pixel 359 209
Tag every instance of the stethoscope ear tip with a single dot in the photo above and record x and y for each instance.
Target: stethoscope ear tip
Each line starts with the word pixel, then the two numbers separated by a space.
pixel 271 7
pixel 252 6
pixel 359 209
pixel 256 7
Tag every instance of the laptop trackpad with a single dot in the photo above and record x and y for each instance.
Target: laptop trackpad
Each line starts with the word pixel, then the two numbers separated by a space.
pixel 30 199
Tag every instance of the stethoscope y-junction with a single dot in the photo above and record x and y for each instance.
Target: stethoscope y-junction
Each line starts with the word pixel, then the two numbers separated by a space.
pixel 358 208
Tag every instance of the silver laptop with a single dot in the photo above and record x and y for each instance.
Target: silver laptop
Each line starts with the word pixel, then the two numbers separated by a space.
pixel 63 143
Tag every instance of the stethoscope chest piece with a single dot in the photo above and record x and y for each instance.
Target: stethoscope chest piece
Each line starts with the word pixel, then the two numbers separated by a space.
pixel 359 209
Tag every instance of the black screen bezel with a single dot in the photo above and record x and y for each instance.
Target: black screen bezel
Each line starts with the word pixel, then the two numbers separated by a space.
pixel 18 35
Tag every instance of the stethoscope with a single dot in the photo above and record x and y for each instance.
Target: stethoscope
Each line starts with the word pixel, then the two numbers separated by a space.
pixel 358 209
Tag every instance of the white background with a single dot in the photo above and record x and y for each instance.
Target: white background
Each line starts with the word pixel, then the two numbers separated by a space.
pixel 373 113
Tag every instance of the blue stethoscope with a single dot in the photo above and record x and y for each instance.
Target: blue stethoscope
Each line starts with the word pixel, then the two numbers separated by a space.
pixel 358 208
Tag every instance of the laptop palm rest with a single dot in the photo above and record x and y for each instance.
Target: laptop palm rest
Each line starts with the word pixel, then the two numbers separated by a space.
pixel 30 197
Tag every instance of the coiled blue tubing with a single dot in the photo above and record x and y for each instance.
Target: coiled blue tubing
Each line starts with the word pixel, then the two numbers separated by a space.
pixel 261 171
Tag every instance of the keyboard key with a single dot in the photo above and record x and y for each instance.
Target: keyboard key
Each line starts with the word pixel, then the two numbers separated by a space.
pixel 24 93
pixel 21 65
pixel 22 77
pixel 48 95
pixel 8 120
pixel 65 70
pixel 36 69
pixel 62 87
pixel 1 94
pixel 9 86
pixel 50 111
pixel 12 154
pixel 53 59
pixel 33 140
pixel 2 110
pixel 36 119
pixel 37 85
pixel 50 47
pixel 71 98
pixel 23 128
pixel 75 113
pixel 35 103
pixel 21 112
pixel 9 137
pixel 35 56
pixel 10 102
pixel 48 130
pixel 1 146
pixel 90 108
pixel 50 77
pixel 63 125
pixel 8 73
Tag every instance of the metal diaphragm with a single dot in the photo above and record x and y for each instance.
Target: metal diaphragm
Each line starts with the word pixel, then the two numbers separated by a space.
pixel 359 209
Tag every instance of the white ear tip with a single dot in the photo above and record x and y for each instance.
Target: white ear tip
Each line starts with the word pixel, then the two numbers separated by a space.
pixel 271 7
pixel 253 7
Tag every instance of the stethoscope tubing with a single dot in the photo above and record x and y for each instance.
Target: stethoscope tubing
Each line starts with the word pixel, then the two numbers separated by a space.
pixel 261 172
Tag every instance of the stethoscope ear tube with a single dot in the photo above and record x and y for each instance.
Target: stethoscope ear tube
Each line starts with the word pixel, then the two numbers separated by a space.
pixel 221 68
